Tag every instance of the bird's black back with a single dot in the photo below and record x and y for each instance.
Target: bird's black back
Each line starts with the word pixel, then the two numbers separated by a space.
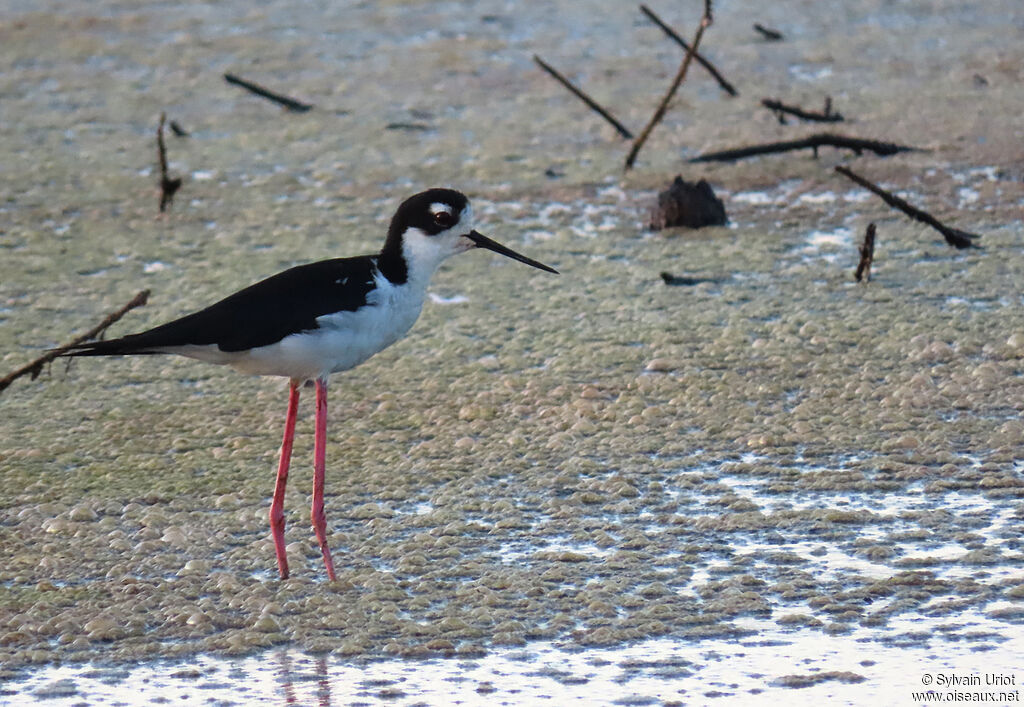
pixel 259 315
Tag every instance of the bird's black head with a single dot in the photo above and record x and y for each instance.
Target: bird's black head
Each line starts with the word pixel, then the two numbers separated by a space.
pixel 431 211
pixel 429 227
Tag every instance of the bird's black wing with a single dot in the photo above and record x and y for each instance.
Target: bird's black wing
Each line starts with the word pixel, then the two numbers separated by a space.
pixel 259 315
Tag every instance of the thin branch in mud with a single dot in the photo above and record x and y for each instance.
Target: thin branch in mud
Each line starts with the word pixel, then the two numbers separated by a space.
pixel 659 113
pixel 34 368
pixel 954 236
pixel 782 110
pixel 772 35
pixel 685 280
pixel 726 86
pixel 594 106
pixel 813 142
pixel 867 254
pixel 168 186
pixel 411 127
pixel 289 103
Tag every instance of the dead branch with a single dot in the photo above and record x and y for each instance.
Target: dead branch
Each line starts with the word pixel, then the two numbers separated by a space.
pixel 781 110
pixel 594 106
pixel 685 280
pixel 289 103
pixel 813 142
pixel 34 368
pixel 659 113
pixel 954 236
pixel 726 86
pixel 867 254
pixel 771 35
pixel 168 186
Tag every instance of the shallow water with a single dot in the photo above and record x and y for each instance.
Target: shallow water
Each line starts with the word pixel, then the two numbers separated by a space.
pixel 766 667
pixel 590 487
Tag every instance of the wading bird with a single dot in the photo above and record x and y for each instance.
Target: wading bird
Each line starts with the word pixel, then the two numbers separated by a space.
pixel 317 319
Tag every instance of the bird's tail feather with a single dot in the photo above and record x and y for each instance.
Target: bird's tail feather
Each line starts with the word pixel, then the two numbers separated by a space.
pixel 126 345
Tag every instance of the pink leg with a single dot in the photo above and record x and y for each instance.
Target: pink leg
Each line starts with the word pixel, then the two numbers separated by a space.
pixel 277 505
pixel 319 462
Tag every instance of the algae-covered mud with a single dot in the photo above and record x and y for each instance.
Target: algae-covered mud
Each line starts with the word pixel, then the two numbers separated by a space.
pixel 775 483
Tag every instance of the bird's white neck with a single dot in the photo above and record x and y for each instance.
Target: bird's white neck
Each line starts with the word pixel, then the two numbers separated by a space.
pixel 424 254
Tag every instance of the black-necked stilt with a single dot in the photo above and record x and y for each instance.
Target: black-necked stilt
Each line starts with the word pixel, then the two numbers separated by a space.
pixel 313 320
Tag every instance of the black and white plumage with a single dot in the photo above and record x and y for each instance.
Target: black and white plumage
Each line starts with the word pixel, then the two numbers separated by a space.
pixel 324 317
pixel 321 318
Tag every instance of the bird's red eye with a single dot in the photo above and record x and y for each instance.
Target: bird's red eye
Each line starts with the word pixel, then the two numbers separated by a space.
pixel 443 219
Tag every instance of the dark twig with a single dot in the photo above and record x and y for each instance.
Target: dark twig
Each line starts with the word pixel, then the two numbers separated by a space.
pixel 36 367
pixel 289 103
pixel 177 129
pixel 408 126
pixel 771 35
pixel 168 186
pixel 726 86
pixel 685 280
pixel 622 130
pixel 954 236
pixel 659 113
pixel 813 142
pixel 867 254
pixel 781 109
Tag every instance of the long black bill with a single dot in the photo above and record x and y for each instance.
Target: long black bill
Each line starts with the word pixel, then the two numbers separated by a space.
pixel 483 241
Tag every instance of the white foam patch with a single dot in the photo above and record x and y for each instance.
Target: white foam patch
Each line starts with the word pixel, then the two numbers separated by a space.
pixel 968 196
pixel 757 198
pixel 810 73
pixel 839 238
pixel 826 197
pixel 454 299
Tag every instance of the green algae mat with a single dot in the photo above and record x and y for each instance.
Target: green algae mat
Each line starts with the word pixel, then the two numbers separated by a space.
pixel 595 459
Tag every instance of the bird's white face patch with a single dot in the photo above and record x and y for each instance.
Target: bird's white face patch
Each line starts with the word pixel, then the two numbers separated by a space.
pixel 443 215
pixel 439 208
pixel 424 252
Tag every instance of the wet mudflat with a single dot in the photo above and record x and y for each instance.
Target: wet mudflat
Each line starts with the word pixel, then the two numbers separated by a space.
pixel 585 470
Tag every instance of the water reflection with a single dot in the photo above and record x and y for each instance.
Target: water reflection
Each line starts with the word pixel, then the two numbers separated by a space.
pixel 288 676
